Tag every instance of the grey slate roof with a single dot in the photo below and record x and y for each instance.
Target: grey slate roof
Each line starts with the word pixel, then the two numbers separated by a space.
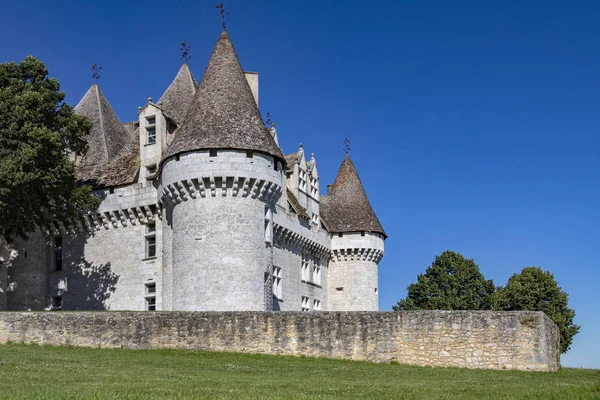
pixel 291 160
pixel 178 97
pixel 123 170
pixel 347 208
pixel 107 136
pixel 223 114
pixel 295 204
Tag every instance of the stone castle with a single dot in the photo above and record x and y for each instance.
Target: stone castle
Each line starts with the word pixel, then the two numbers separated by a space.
pixel 202 211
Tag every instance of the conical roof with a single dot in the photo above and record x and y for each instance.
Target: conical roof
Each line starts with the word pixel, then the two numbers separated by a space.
pixel 176 100
pixel 223 114
pixel 347 208
pixel 107 135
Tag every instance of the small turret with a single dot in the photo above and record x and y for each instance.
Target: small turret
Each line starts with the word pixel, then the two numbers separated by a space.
pixel 356 240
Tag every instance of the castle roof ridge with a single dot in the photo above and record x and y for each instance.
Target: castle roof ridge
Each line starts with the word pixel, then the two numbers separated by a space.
pixel 347 207
pixel 223 113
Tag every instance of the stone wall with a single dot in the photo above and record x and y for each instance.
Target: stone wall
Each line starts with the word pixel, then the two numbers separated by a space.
pixel 471 339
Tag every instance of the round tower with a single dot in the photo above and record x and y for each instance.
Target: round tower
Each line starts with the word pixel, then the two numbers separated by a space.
pixel 220 179
pixel 356 244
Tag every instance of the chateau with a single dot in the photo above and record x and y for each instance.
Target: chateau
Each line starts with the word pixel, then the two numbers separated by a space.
pixel 202 211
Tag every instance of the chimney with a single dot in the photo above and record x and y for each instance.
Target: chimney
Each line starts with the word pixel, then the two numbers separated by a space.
pixel 252 78
pixel 329 189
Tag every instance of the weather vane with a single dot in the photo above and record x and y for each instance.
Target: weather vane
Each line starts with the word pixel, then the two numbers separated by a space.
pixel 347 145
pixel 269 119
pixel 96 72
pixel 222 13
pixel 185 51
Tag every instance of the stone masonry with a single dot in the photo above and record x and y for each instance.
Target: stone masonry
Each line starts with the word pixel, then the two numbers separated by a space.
pixel 471 339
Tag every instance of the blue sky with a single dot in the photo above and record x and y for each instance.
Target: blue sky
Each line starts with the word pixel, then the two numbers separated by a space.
pixel 474 124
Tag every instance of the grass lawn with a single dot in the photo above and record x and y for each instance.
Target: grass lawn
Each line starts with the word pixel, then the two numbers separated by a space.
pixel 34 372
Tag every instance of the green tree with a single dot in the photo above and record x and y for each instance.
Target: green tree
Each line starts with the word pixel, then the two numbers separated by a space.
pixel 38 131
pixel 450 283
pixel 537 290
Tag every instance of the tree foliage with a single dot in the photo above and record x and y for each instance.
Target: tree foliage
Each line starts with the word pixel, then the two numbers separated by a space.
pixel 450 283
pixel 38 131
pixel 537 290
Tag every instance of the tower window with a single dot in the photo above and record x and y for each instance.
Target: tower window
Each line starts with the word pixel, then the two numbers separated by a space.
pixel 58 259
pixel 305 303
pixel 150 296
pixel 302 180
pixel 150 239
pixel 151 135
pixel 277 286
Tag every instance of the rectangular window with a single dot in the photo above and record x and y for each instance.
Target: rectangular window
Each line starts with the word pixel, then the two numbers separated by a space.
pixel 317 305
pixel 268 225
pixel 151 120
pixel 150 246
pixel 277 287
pixel 305 303
pixel 151 135
pixel 150 296
pixel 150 303
pixel 302 180
pixel 58 260
pixel 314 187
pixel 315 221
pixel 304 269
pixel 150 239
pixel 317 272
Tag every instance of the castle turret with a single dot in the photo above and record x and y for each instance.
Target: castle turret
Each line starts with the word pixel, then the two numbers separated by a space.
pixel 356 242
pixel 107 136
pixel 220 179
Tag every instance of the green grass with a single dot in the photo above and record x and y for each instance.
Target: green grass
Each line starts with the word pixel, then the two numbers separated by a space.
pixel 34 372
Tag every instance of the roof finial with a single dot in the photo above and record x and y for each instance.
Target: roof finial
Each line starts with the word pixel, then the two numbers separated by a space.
pixel 96 72
pixel 269 121
pixel 222 13
pixel 347 146
pixel 185 51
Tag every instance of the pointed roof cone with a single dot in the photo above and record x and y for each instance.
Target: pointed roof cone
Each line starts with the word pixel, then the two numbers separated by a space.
pixel 347 208
pixel 108 135
pixel 178 97
pixel 224 114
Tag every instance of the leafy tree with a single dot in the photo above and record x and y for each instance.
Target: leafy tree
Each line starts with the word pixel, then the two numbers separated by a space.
pixel 537 290
pixel 450 283
pixel 37 133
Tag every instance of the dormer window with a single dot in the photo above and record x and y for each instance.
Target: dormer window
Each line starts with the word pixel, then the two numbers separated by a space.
pixel 302 180
pixel 151 129
pixel 314 187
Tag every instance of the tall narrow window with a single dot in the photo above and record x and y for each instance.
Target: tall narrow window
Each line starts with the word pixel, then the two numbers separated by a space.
pixel 150 296
pixel 304 269
pixel 151 240
pixel 277 287
pixel 316 278
pixel 268 225
pixel 305 303
pixel 58 259
pixel 151 129
pixel 314 187
pixel 302 180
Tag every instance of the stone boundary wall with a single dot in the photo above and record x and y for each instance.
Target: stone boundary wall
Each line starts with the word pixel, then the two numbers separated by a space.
pixel 471 339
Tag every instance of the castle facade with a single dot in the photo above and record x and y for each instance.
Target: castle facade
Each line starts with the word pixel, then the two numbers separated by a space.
pixel 202 211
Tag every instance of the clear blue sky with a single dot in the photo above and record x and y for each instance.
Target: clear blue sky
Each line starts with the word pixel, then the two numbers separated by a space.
pixel 474 124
